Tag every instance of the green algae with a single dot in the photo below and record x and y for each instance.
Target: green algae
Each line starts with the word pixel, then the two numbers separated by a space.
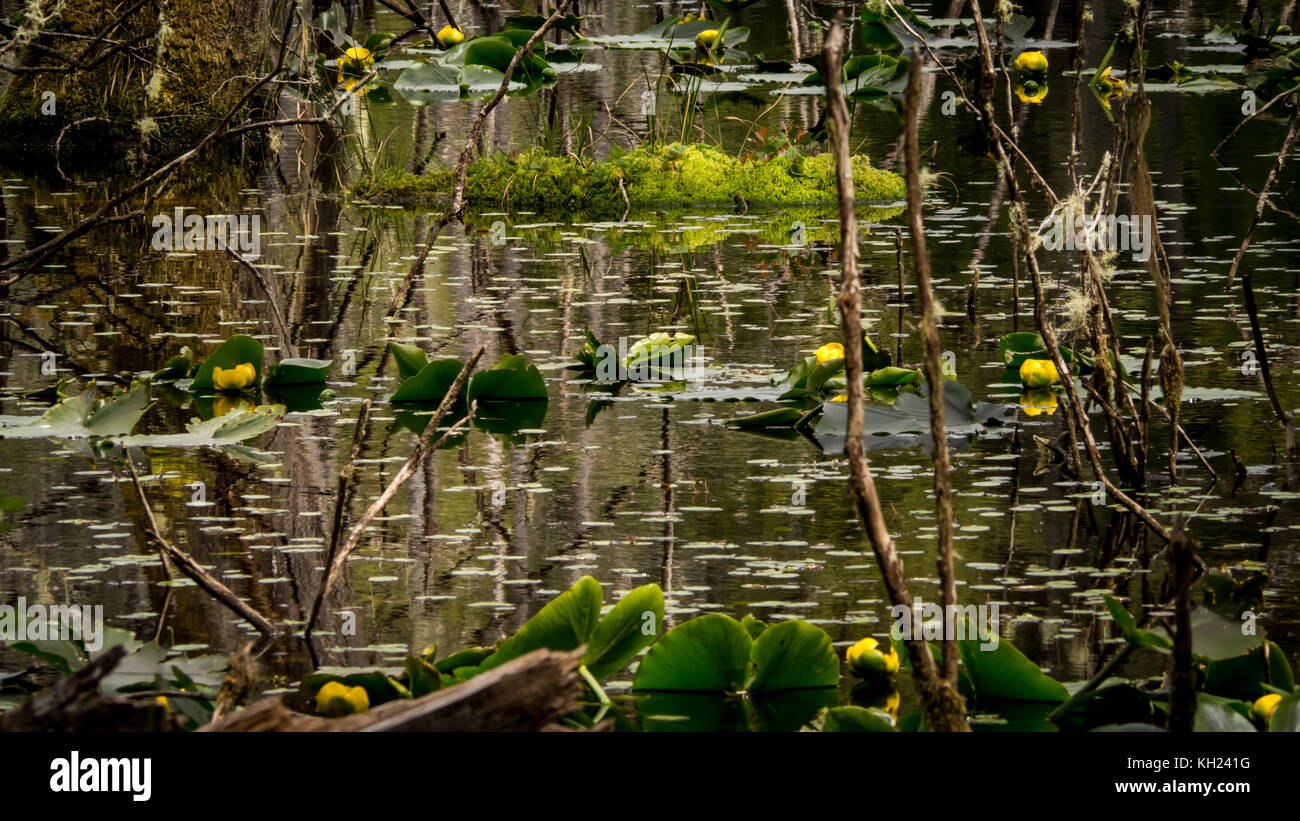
pixel 673 174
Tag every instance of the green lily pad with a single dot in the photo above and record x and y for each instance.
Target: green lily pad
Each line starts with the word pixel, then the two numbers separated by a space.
pixel 297 371
pixel 706 654
pixel 631 626
pixel 775 418
pixel 1221 715
pixel 1005 673
pixel 431 383
pixel 792 655
pixel 565 623
pixel 512 378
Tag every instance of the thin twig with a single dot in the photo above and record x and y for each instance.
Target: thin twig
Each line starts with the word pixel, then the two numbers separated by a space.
pixel 405 472
pixel 186 564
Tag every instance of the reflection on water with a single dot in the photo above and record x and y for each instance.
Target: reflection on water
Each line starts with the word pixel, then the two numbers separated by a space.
pixel 651 488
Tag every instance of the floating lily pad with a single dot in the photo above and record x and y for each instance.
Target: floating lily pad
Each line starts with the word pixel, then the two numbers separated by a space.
pixel 297 372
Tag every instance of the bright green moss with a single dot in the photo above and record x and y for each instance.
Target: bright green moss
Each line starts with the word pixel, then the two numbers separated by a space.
pixel 670 175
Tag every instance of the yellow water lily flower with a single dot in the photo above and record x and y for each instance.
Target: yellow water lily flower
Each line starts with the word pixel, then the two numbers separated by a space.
pixel 448 36
pixel 1041 401
pixel 866 659
pixel 1038 373
pixel 233 379
pixel 1032 62
pixel 337 699
pixel 829 351
pixel 1264 706
pixel 357 58
pixel 1031 92
pixel 1113 86
pixel 708 38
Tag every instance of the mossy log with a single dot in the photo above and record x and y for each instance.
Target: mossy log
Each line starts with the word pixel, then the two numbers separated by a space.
pixel 670 175
pixel 183 68
pixel 527 694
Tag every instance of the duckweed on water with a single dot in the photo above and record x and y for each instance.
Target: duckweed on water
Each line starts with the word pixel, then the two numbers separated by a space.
pixel 676 173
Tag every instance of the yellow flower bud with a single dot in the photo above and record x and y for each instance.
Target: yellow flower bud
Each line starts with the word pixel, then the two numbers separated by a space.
pixel 448 36
pixel 708 38
pixel 357 58
pixel 865 659
pixel 1038 373
pixel 1032 62
pixel 337 699
pixel 829 351
pixel 1264 706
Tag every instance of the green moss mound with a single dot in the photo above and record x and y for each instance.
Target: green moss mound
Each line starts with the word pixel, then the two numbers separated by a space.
pixel 669 175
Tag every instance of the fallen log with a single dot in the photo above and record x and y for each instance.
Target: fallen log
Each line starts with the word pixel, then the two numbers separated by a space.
pixel 75 704
pixel 528 694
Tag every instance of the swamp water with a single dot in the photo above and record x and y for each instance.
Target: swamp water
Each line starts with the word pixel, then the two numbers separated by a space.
pixel 652 487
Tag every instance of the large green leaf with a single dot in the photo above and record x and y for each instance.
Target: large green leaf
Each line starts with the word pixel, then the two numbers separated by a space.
pixel 910 413
pixel 630 626
pixel 79 416
pixel 428 82
pixel 118 415
pixel 706 654
pixel 1286 717
pixel 775 418
pixel 497 51
pixel 1115 701
pixel 565 623
pixel 1214 637
pixel 64 655
pixel 410 359
pixel 1132 634
pixel 792 655
pixel 469 657
pixel 892 377
pixel 236 350
pixel 511 378
pixel 820 373
pixel 296 371
pixel 228 429
pixel 1005 673
pixel 431 383
pixel 1221 715
pixel 875 31
pixel 1244 676
pixel 423 677
pixel 72 417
